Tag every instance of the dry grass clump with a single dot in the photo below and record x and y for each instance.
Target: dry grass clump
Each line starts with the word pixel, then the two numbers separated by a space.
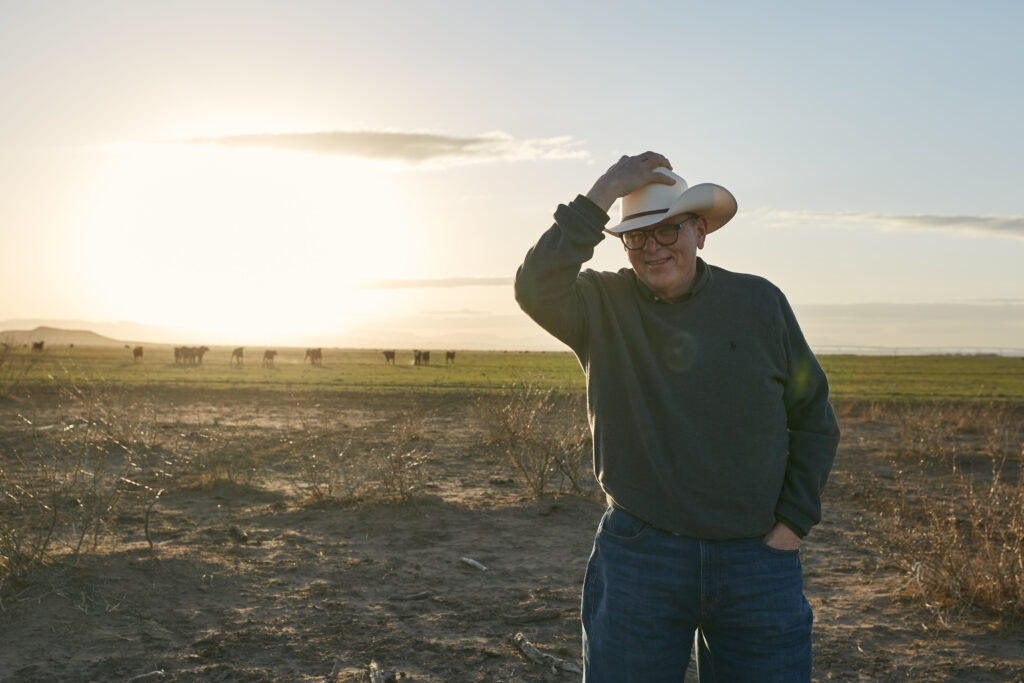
pixel 544 436
pixel 956 523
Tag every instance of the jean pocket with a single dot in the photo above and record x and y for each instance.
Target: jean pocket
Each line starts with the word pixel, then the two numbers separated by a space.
pixel 779 551
pixel 622 526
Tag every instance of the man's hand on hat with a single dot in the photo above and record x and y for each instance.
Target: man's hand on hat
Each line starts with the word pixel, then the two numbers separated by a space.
pixel 627 175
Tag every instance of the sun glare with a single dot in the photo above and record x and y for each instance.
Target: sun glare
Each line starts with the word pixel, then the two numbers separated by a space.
pixel 240 243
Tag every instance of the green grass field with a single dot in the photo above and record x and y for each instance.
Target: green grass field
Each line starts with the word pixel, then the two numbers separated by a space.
pixel 874 378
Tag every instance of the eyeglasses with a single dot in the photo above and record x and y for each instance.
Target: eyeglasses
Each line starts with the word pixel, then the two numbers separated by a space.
pixel 665 235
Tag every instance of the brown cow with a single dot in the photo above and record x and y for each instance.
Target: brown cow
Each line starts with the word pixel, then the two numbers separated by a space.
pixel 389 357
pixel 136 354
pixel 425 355
pixel 449 357
pixel 237 356
pixel 268 358
pixel 37 346
pixel 315 357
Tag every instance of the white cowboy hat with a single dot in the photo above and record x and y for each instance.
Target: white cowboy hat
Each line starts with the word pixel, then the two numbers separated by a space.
pixel 656 202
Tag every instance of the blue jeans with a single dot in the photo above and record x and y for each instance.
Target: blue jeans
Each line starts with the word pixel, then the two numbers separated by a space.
pixel 649 595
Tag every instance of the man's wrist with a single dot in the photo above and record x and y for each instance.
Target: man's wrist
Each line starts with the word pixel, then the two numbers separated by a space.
pixel 800 533
pixel 602 196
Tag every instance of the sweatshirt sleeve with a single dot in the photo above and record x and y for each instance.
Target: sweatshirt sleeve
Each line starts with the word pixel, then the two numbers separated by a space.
pixel 813 431
pixel 547 283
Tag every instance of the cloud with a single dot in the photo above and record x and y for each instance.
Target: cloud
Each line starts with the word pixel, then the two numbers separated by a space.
pixel 999 226
pixel 1002 226
pixel 414 148
pixel 442 283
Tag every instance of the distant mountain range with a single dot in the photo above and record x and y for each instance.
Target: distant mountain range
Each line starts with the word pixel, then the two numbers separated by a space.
pixel 98 333
pixel 969 327
pixel 444 332
pixel 55 336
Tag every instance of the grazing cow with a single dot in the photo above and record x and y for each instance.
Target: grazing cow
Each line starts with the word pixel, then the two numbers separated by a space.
pixel 417 356
pixel 315 356
pixel 426 357
pixel 389 357
pixel 449 357
pixel 136 354
pixel 268 358
pixel 236 356
pixel 37 346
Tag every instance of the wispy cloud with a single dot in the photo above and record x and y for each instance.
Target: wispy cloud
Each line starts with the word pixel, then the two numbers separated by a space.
pixel 1003 226
pixel 437 283
pixel 1000 226
pixel 414 148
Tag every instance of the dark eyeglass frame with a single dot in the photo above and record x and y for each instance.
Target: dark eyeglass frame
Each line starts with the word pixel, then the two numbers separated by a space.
pixel 667 239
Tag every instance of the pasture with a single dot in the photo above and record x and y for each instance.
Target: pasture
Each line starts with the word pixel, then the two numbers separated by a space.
pixel 296 522
pixel 870 378
pixel 344 369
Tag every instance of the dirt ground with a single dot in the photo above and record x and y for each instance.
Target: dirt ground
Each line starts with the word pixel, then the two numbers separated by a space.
pixel 253 577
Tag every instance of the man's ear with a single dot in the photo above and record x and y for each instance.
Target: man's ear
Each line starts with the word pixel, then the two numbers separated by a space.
pixel 701 225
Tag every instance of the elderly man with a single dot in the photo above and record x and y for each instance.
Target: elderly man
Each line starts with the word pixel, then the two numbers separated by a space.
pixel 713 435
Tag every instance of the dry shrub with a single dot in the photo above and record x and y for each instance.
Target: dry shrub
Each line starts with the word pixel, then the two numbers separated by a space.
pixel 544 436
pixel 63 482
pixel 388 468
pixel 957 523
pixel 398 471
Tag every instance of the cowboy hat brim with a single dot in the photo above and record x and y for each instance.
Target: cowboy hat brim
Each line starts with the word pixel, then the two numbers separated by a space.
pixel 715 203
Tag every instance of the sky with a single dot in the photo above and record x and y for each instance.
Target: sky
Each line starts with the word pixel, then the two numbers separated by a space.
pixel 371 174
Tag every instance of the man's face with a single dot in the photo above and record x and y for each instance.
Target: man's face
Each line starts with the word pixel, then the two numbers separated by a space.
pixel 669 271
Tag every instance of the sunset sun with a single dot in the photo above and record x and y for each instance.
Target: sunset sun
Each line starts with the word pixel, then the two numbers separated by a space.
pixel 245 242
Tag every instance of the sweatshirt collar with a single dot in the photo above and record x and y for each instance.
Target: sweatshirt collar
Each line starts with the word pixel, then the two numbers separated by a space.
pixel 699 283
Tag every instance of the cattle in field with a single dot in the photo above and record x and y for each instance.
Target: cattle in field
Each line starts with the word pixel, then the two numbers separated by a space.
pixel 190 355
pixel 389 357
pixel 37 346
pixel 314 356
pixel 425 355
pixel 449 357
pixel 268 358
pixel 136 354
pixel 417 357
pixel 237 356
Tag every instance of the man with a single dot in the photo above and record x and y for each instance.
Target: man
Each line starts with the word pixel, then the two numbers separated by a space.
pixel 713 435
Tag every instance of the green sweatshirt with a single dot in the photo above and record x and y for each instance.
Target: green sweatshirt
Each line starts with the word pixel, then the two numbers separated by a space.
pixel 710 415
